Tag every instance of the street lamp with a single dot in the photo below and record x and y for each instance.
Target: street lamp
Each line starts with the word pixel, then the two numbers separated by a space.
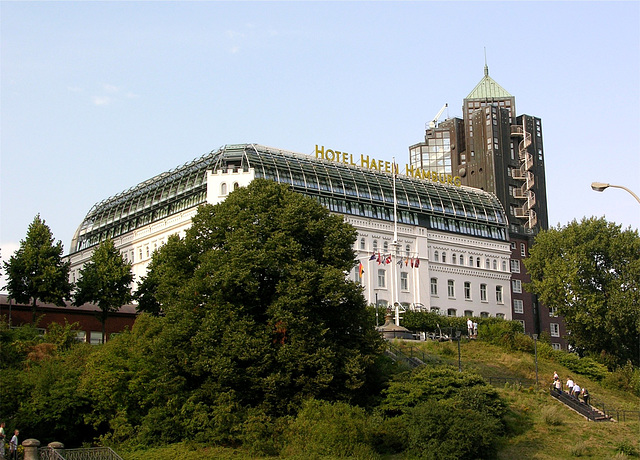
pixel 535 351
pixel 601 187
pixel 458 339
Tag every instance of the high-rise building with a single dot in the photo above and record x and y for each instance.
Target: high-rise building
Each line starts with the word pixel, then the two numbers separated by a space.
pixel 494 149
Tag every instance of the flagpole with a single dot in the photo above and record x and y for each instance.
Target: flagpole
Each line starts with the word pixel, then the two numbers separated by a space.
pixel 395 271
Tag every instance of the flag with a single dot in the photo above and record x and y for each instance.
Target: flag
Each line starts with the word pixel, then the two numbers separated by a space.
pixel 400 261
pixel 411 263
pixel 361 269
pixel 388 260
pixel 373 256
pixel 417 264
pixel 379 260
pixel 406 261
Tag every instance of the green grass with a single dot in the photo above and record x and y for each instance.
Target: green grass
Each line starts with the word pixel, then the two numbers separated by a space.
pixel 540 427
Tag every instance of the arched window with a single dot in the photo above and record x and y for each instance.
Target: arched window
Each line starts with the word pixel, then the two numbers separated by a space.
pixel 478 262
pixel 362 243
pixel 386 246
pixel 375 245
pixel 436 257
pixel 470 261
pixel 454 260
pixel 236 186
pixel 444 257
pixel 223 188
pixel 487 264
pixel 495 264
pixel 408 250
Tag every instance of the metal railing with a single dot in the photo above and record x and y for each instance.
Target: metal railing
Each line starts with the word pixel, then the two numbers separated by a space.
pixel 91 453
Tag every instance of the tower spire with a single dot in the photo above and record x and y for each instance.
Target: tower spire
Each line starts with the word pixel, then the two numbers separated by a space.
pixel 486 67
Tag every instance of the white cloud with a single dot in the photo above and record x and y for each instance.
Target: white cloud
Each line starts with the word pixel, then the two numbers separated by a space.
pixel 110 88
pixel 101 100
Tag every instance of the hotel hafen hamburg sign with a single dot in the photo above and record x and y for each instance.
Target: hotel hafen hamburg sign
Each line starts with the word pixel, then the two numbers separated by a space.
pixel 386 166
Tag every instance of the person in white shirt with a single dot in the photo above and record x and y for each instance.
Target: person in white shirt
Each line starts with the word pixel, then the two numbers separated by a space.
pixel 469 327
pixel 570 386
pixel 576 390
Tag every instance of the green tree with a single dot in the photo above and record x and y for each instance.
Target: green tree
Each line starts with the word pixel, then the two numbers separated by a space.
pixel 258 311
pixel 36 271
pixel 590 271
pixel 106 281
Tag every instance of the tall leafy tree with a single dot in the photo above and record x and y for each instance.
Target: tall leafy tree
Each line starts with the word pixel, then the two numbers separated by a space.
pixel 590 271
pixel 105 280
pixel 258 311
pixel 36 271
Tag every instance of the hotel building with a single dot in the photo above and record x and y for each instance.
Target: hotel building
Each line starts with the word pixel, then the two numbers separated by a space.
pixel 425 241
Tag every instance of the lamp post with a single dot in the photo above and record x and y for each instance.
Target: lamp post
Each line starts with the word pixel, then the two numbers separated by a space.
pixel 535 351
pixel 459 362
pixel 601 187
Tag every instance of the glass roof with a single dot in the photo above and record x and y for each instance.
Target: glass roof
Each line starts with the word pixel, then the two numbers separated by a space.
pixel 343 188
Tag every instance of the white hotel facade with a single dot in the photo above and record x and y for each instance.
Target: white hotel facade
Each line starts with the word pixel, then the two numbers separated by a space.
pixel 423 243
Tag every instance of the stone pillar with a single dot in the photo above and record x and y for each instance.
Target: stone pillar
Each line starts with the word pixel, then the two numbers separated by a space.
pixel 55 445
pixel 30 449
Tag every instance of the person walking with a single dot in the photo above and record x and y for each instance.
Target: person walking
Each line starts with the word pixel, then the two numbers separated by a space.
pixel 13 446
pixel 576 391
pixel 585 396
pixel 570 386
pixel 469 327
pixel 557 384
pixel 2 438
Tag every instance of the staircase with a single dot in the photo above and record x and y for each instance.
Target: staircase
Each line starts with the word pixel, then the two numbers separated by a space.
pixel 587 411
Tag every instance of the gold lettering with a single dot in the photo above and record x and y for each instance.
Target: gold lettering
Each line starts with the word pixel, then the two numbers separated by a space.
pixel 351 160
pixel 330 156
pixel 364 163
pixel 320 153
pixel 449 179
pixel 457 181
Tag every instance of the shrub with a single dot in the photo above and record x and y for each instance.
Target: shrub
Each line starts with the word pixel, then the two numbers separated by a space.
pixel 626 448
pixel 439 430
pixel 626 378
pixel 583 366
pixel 579 449
pixel 331 430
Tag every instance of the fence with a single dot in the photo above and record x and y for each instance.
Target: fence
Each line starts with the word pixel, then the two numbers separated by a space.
pixel 92 453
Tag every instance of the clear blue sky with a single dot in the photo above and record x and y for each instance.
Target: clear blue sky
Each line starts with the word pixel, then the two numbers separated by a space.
pixel 99 96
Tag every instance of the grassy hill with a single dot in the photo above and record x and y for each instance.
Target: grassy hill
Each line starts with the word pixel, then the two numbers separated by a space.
pixel 541 427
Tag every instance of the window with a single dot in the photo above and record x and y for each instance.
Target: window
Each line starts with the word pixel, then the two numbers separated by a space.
pixel 518 306
pixel 436 257
pixel 451 312
pixel 95 337
pixel 385 245
pixel 495 264
pixel 451 291
pixel 453 259
pixel 487 264
pixel 147 248
pixel 499 294
pixel 484 314
pixel 478 262
pixel 81 336
pixel 513 245
pixel 500 315
pixel 434 286
pixel 556 346
pixel 236 186
pixel 404 281
pixel 435 310
pixel 521 321
pixel 375 245
pixel 382 277
pixel 444 257
pixel 461 259
pixel 467 290
pixel 223 188
pixel 516 286
pixel 555 329
pixel 523 249
pixel 407 250
pixel 362 243
pixel 483 293
pixel 515 266
pixel 468 313
pixel 553 311
pixel 470 261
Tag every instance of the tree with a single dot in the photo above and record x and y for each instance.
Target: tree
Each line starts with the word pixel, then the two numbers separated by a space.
pixel 36 271
pixel 106 281
pixel 258 310
pixel 590 271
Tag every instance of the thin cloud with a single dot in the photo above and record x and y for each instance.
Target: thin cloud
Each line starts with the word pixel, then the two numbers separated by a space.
pixel 101 100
